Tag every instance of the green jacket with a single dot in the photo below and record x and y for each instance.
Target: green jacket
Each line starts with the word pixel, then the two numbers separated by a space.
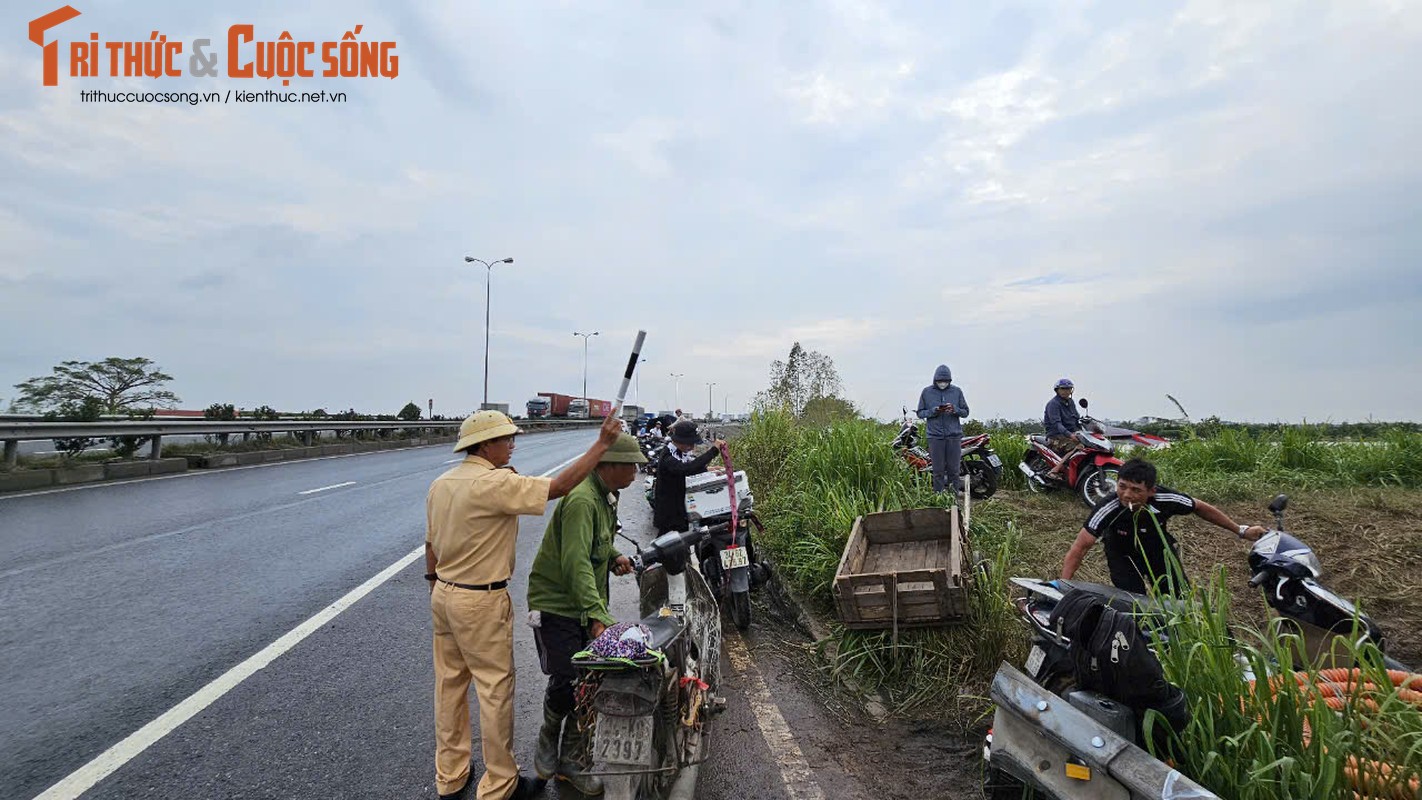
pixel 570 572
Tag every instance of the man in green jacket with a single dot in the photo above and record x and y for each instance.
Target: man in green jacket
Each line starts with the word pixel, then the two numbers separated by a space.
pixel 567 600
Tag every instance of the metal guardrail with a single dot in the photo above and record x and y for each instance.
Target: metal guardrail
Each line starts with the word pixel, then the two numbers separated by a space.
pixel 12 433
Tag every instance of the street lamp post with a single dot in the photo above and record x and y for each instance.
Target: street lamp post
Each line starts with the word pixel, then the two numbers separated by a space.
pixel 678 376
pixel 488 281
pixel 710 404
pixel 637 385
pixel 585 336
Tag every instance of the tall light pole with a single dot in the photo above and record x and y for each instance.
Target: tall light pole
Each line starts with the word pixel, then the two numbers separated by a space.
pixel 637 382
pixel 710 404
pixel 586 337
pixel 488 281
pixel 678 376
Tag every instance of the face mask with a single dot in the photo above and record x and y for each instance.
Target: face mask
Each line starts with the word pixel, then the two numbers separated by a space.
pixel 941 384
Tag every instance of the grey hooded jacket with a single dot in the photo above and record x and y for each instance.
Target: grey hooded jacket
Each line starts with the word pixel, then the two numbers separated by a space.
pixel 944 425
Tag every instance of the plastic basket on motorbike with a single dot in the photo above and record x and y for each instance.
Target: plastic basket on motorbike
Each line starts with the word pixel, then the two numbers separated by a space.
pixel 903 569
pixel 707 498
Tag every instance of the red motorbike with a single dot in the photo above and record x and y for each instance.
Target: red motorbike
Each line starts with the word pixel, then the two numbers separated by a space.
pixel 1091 471
pixel 982 466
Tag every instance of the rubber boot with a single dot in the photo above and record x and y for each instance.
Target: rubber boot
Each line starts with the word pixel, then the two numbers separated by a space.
pixel 575 746
pixel 545 761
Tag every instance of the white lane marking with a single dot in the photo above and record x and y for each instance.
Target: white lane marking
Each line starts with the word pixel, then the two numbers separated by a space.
pixel 452 460
pixel 324 488
pixel 84 778
pixel 794 769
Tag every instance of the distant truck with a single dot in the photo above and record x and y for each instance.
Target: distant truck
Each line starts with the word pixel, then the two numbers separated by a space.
pixel 588 408
pixel 548 404
pixel 577 408
pixel 599 409
pixel 631 414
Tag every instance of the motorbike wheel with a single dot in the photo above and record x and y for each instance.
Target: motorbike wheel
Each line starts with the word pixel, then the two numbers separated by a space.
pixel 1098 484
pixel 741 610
pixel 999 785
pixel 620 787
pixel 1038 465
pixel 983 482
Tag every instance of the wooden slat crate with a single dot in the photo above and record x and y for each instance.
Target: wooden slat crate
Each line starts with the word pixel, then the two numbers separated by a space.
pixel 903 569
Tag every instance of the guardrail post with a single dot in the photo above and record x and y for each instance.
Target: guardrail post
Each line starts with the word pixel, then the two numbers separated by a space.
pixel 156 450
pixel 12 452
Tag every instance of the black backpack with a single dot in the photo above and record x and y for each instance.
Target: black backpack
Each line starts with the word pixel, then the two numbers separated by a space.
pixel 1111 656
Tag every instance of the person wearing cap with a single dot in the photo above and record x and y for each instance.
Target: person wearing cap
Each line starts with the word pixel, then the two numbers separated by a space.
pixel 567 602
pixel 1062 422
pixel 472 512
pixel 673 468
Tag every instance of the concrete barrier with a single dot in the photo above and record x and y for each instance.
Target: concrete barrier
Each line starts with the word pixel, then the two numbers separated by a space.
pixel 80 474
pixel 125 469
pixel 21 480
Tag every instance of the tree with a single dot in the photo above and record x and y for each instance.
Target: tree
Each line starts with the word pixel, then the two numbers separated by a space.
pixel 824 411
pixel 86 409
pixel 803 376
pixel 409 413
pixel 118 384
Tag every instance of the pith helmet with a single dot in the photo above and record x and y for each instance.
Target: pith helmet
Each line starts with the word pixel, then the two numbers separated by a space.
pixel 481 426
pixel 624 451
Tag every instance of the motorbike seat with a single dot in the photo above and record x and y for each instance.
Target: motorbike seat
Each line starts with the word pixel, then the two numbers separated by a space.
pixel 664 630
pixel 1038 439
pixel 1122 600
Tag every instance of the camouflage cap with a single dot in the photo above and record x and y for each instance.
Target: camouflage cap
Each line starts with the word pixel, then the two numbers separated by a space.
pixel 624 451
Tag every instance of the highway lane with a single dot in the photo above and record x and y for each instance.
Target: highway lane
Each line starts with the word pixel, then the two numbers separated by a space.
pixel 121 601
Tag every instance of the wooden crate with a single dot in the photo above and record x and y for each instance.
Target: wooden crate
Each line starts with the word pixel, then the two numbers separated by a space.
pixel 903 569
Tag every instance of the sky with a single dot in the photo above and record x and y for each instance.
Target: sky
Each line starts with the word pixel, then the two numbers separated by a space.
pixel 1217 200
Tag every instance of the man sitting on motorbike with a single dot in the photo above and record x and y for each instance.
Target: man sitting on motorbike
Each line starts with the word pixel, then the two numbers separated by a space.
pixel 1133 521
pixel 1062 422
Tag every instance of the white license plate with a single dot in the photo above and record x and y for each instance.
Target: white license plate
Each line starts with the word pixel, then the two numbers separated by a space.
pixel 1035 659
pixel 623 740
pixel 994 460
pixel 734 557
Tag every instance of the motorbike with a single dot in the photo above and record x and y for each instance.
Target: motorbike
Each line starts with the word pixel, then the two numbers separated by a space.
pixel 652 448
pixel 1092 469
pixel 729 560
pixel 648 715
pixel 980 463
pixel 1285 569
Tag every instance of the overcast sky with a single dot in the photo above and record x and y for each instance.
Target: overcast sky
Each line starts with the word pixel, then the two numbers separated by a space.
pixel 1216 200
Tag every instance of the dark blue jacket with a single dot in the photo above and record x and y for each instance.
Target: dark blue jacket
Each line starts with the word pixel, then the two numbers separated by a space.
pixel 1061 417
pixel 944 425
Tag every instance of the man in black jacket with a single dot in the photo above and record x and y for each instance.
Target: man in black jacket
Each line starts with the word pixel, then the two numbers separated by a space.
pixel 676 464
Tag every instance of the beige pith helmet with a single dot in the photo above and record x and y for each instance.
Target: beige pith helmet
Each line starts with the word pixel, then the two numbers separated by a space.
pixel 624 451
pixel 481 426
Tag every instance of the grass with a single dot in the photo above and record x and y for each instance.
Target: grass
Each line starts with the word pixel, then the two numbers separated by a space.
pixel 1356 503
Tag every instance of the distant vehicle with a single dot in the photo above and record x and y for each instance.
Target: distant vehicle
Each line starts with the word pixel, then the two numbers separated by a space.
pixel 631 414
pixel 538 407
pixel 548 404
pixel 599 409
pixel 577 408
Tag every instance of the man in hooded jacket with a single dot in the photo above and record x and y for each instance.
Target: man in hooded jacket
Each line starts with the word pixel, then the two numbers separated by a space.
pixel 943 406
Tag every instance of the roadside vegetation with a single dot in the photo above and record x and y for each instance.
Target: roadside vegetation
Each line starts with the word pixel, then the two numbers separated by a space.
pixel 1358 503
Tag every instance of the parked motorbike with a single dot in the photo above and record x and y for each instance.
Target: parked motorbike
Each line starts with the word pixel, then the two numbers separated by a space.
pixel 1281 565
pixel 980 463
pixel 1092 469
pixel 649 714
pixel 729 560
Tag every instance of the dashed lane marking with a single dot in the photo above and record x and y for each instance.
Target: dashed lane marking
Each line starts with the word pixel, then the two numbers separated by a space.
pixel 324 488
pixel 794 769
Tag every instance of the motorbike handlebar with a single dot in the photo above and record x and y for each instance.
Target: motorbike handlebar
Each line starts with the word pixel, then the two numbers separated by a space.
pixel 1258 579
pixel 673 546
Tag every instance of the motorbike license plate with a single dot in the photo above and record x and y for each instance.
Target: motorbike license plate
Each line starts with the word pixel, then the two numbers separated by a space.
pixel 1035 659
pixel 732 558
pixel 994 460
pixel 623 740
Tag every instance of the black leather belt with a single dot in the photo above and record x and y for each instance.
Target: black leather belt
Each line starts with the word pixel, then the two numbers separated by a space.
pixel 477 587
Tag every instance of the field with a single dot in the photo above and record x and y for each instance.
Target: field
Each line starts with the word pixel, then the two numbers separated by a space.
pixel 1357 504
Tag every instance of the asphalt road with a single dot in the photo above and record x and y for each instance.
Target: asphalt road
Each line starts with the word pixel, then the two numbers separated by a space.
pixel 120 601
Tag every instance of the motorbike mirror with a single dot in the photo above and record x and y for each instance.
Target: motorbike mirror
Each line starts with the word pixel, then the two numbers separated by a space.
pixel 1279 503
pixel 1082 402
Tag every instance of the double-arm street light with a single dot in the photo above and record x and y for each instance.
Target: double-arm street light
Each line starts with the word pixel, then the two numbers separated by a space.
pixel 488 280
pixel 586 337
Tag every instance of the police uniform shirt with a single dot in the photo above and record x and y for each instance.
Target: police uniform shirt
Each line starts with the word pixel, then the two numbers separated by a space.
pixel 1135 547
pixel 473 512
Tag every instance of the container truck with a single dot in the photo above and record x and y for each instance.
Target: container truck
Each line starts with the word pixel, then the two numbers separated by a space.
pixel 552 405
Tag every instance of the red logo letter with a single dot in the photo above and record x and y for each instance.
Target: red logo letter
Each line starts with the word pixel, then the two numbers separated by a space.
pixel 51 50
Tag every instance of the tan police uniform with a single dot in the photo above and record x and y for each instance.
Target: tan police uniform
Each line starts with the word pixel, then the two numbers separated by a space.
pixel 473 514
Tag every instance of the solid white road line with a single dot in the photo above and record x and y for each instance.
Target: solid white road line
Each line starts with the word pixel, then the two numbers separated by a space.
pixel 324 488
pixel 794 769
pixel 83 779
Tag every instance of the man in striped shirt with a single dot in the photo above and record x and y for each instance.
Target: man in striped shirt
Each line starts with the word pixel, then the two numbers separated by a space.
pixel 1132 523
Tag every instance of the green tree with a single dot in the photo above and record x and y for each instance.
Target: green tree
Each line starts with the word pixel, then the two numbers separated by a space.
pixel 85 409
pixel 822 412
pixel 118 384
pixel 803 376
pixel 409 413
